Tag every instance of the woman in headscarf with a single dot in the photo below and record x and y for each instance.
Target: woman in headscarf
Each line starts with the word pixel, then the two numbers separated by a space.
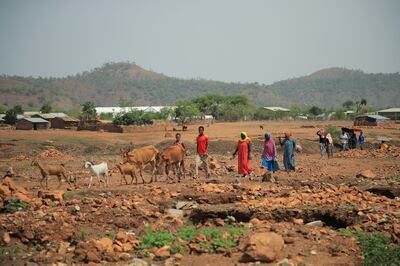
pixel 289 148
pixel 243 150
pixel 329 145
pixel 269 154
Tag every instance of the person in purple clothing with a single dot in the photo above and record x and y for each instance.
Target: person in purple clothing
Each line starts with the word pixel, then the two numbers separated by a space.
pixel 269 154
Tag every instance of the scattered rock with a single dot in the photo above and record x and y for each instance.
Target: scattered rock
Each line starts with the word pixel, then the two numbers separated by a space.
pixel 219 222
pixel 298 221
pixel 56 195
pixel 92 257
pixel 138 262
pixel 366 174
pixel 175 213
pixel 104 244
pixel 284 262
pixel 121 236
pixel 162 252
pixel 315 223
pixel 5 237
pixel 127 247
pixel 264 247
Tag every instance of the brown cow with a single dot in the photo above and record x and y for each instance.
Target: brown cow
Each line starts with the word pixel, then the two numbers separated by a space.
pixel 174 156
pixel 141 157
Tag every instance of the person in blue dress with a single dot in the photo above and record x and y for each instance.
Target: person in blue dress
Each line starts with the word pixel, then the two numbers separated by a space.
pixel 289 149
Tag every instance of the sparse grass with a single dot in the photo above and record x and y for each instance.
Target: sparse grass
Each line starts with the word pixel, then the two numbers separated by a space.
pixel 111 235
pixel 14 205
pixel 7 252
pixel 225 237
pixel 348 206
pixel 75 140
pixel 122 137
pixel 68 195
pixel 376 248
pixel 392 180
pixel 26 165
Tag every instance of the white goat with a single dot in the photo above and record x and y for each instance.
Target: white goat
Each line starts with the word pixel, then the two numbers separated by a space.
pixel 98 170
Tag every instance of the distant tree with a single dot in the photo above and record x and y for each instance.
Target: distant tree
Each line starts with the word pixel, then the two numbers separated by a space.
pixel 363 102
pixel 88 111
pixel 46 108
pixel 166 113
pixel 185 111
pixel 339 114
pixel 134 117
pixel 18 109
pixel 10 117
pixel 262 114
pixel 348 104
pixel 315 110
pixel 3 109
pixel 208 104
pixel 361 106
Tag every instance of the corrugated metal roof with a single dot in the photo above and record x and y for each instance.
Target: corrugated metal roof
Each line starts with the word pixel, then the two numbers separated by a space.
pixel 377 117
pixel 59 114
pixel 68 119
pixel 277 108
pixel 36 120
pixel 46 116
pixel 390 110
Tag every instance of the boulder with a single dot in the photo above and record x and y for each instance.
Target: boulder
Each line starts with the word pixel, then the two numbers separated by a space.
pixel 175 213
pixel 121 236
pixel 162 252
pixel 9 183
pixel 92 257
pixel 262 246
pixel 5 192
pixel 5 237
pixel 104 244
pixel 366 174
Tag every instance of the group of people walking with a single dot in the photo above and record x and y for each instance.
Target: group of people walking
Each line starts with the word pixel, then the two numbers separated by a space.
pixel 243 152
pixel 269 153
pixel 348 140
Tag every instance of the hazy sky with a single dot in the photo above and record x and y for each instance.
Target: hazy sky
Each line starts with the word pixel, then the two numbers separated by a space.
pixel 263 41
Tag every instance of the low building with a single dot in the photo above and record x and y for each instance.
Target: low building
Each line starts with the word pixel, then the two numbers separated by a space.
pixel 32 124
pixel 64 122
pixel 370 120
pixel 391 113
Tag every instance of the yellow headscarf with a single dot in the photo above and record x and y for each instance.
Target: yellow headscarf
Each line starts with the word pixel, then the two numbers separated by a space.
pixel 246 137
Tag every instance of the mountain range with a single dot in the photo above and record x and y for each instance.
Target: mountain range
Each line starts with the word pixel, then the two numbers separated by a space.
pixel 107 84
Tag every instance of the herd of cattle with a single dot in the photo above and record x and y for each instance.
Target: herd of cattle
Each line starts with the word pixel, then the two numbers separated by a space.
pixel 171 157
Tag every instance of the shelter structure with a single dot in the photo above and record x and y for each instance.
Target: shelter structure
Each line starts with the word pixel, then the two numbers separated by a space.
pixel 32 124
pixel 391 113
pixel 370 120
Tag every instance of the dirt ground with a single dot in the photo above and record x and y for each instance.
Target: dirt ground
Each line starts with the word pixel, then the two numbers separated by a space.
pixel 71 229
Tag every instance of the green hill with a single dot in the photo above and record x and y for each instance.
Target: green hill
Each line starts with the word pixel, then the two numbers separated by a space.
pixel 106 85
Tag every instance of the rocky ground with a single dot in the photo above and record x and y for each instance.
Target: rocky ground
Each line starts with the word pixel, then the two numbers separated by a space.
pixel 310 217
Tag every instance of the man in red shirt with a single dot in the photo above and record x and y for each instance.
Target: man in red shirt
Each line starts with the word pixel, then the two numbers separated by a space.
pixel 202 156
